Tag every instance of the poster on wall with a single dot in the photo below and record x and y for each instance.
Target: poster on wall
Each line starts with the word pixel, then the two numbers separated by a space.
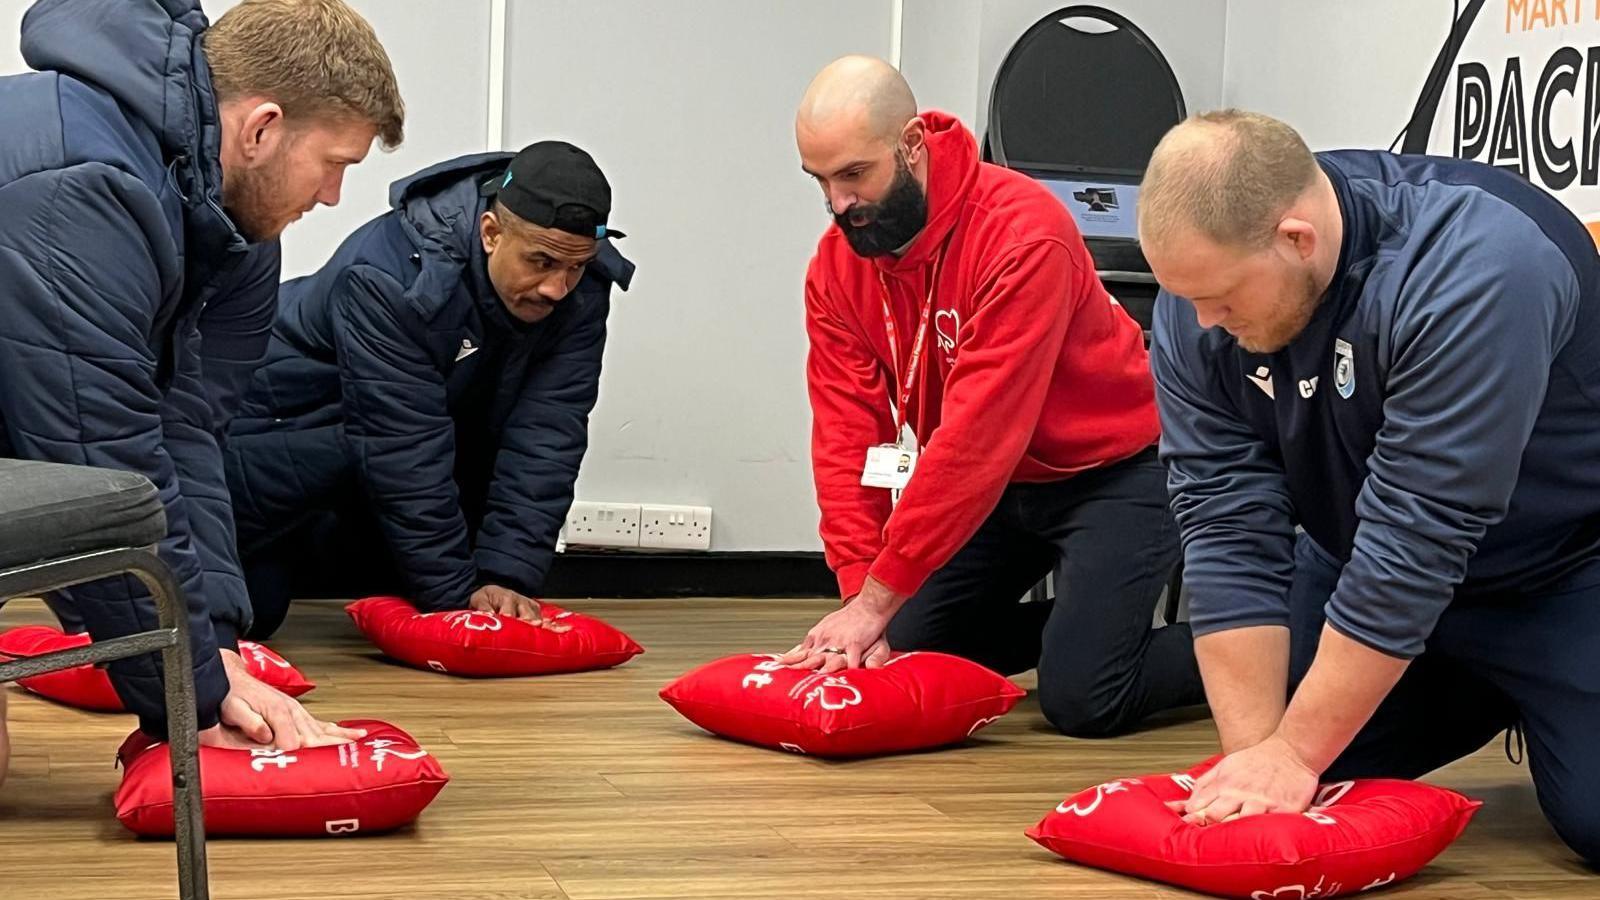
pixel 1518 86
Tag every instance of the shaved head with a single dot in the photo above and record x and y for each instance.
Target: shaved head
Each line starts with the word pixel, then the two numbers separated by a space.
pixel 1237 218
pixel 1230 175
pixel 860 93
pixel 860 137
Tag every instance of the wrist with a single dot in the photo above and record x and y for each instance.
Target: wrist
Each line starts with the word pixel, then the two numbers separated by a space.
pixel 1303 748
pixel 879 599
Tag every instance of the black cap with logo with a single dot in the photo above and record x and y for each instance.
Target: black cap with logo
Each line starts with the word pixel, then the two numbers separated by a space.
pixel 555 185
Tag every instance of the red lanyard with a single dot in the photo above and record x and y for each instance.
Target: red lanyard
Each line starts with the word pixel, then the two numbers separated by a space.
pixel 914 363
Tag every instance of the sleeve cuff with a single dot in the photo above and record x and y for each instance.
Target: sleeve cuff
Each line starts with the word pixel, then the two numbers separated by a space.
pixel 898 572
pixel 1408 651
pixel 519 583
pixel 1202 628
pixel 851 578
pixel 452 596
pixel 227 635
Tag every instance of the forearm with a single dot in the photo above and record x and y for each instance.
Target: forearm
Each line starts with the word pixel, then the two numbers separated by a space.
pixel 1347 682
pixel 1246 673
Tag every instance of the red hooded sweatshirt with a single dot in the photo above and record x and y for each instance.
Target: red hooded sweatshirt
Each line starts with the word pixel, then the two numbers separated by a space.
pixel 1030 372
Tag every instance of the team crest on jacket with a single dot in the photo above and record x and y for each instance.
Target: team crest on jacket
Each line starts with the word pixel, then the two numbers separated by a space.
pixel 1344 368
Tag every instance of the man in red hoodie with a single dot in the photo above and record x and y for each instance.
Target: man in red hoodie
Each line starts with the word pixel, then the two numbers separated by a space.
pixel 966 360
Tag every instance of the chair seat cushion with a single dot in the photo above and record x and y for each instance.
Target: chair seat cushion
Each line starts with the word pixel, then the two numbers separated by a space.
pixel 50 510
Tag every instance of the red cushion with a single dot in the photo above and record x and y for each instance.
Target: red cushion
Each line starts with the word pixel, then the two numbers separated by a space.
pixel 85 687
pixel 377 783
pixel 479 644
pixel 88 687
pixel 916 700
pixel 1359 835
pixel 273 669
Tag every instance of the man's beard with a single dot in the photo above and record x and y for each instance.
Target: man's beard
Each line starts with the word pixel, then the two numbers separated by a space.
pixel 255 201
pixel 1296 313
pixel 891 222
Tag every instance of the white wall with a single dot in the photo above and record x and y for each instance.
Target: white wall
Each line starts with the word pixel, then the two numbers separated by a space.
pixel 11 27
pixel 446 96
pixel 1344 74
pixel 689 109
pixel 939 46
pixel 446 106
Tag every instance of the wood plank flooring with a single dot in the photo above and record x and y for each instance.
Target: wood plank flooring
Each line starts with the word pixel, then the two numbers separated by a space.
pixel 588 787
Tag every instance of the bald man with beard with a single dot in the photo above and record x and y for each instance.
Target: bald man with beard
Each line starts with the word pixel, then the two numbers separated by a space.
pixel 983 415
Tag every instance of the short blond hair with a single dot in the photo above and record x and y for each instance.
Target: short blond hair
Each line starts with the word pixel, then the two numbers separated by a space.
pixel 315 58
pixel 1229 174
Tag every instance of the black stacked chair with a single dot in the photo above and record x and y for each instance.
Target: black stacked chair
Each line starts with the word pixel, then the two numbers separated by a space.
pixel 63 525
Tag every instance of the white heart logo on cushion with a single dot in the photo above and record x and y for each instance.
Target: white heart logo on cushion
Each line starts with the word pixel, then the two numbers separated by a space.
pixel 1292 892
pixel 833 694
pixel 260 655
pixel 380 751
pixel 1101 791
pixel 980 723
pixel 1329 794
pixel 472 620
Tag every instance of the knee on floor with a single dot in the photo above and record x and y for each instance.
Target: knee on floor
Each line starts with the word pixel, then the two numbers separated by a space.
pixel 1077 713
pixel 1578 825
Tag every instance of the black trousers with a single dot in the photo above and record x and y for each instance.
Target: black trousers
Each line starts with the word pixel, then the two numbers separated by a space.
pixel 1486 667
pixel 1110 539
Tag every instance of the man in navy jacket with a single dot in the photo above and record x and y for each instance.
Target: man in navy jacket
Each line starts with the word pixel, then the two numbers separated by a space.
pixel 147 167
pixel 423 410
pixel 1400 355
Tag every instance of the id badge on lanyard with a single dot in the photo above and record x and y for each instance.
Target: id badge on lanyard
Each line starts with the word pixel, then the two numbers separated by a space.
pixel 891 465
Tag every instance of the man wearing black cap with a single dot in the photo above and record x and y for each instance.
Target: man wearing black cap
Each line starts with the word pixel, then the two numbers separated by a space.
pixel 420 418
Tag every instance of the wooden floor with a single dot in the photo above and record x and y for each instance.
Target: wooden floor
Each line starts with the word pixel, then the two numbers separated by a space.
pixel 588 786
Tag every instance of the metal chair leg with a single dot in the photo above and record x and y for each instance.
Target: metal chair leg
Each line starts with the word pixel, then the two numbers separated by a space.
pixel 188 817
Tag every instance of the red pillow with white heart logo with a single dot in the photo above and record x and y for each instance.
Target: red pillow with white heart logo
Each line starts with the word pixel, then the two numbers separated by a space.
pixel 486 645
pixel 273 669
pixel 378 783
pixel 1357 836
pixel 88 687
pixel 915 700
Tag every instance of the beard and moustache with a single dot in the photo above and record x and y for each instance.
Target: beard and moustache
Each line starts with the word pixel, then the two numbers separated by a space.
pixel 892 222
pixel 254 200
pixel 1292 315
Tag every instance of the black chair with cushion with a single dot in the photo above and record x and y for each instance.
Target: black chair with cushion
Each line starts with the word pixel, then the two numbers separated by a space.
pixel 63 525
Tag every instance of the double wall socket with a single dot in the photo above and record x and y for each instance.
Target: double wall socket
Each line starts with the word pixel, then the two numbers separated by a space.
pixel 648 526
pixel 675 527
pixel 602 524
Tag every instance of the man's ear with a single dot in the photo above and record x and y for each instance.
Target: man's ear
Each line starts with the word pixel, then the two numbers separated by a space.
pixel 914 140
pixel 489 231
pixel 262 131
pixel 1300 234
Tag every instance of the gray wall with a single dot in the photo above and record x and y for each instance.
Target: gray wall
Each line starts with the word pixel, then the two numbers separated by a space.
pixel 689 108
pixel 1344 74
pixel 446 111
